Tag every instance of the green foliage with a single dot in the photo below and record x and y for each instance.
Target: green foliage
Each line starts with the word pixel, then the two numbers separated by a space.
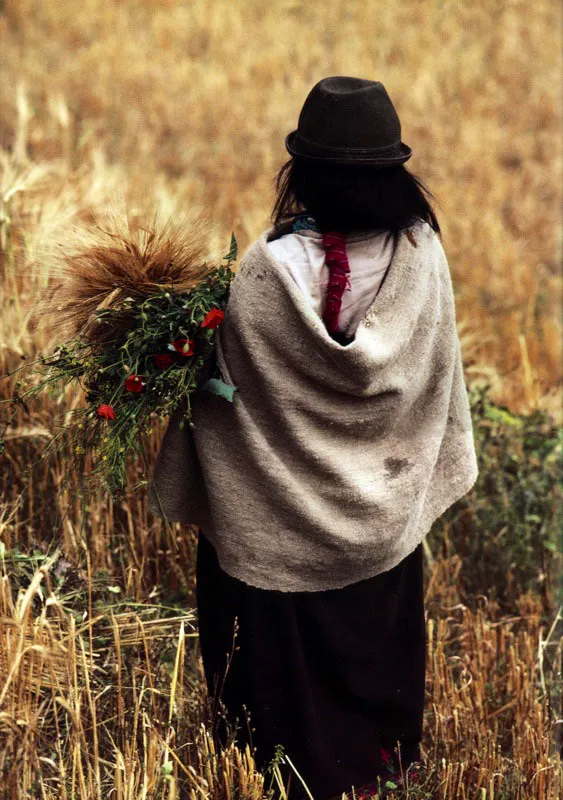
pixel 145 358
pixel 233 250
pixel 507 529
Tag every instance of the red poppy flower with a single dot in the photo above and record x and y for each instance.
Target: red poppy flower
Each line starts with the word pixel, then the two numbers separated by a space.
pixel 105 412
pixel 184 346
pixel 213 319
pixel 385 755
pixel 134 383
pixel 163 360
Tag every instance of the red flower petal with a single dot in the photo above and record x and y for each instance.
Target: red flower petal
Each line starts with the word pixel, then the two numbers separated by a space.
pixel 105 412
pixel 184 346
pixel 134 383
pixel 213 318
pixel 163 360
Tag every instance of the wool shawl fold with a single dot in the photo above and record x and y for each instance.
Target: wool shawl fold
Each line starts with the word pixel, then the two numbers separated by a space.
pixel 333 460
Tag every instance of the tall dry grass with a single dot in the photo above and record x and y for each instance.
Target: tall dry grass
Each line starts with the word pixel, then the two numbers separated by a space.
pixel 102 701
pixel 184 106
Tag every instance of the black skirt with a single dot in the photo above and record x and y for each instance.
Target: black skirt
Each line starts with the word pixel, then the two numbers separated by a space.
pixel 337 677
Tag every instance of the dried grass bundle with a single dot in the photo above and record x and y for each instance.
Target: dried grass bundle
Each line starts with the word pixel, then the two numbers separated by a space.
pixel 97 266
pixel 135 310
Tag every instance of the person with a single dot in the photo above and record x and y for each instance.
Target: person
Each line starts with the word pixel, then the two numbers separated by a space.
pixel 349 433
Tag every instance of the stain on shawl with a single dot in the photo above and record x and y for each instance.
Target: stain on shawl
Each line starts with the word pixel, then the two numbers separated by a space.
pixel 395 466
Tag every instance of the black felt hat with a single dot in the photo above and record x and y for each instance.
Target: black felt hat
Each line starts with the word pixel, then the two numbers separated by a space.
pixel 348 121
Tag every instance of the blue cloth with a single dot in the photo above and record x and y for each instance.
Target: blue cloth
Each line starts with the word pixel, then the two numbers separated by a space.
pixel 304 222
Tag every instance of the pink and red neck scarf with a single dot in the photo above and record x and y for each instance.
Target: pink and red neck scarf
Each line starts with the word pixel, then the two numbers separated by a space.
pixel 334 244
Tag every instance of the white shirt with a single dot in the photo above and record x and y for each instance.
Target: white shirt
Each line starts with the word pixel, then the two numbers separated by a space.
pixel 369 256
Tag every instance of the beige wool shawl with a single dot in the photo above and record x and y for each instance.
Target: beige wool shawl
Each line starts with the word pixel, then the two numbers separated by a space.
pixel 332 461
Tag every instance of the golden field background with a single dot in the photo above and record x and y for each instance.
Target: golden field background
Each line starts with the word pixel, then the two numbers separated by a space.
pixel 185 106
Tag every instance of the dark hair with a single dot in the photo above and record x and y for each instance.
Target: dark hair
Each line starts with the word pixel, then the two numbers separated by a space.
pixel 351 197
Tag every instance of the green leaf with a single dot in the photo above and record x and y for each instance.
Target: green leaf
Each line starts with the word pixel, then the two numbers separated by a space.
pixel 232 254
pixel 220 388
pixel 390 785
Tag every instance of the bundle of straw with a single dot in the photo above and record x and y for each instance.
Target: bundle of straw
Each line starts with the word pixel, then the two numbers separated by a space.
pixel 97 266
pixel 137 307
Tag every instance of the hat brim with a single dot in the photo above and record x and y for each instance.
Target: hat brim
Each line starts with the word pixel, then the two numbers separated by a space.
pixel 296 148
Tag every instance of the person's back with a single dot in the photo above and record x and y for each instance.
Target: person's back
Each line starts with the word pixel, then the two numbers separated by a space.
pixel 303 255
pixel 348 435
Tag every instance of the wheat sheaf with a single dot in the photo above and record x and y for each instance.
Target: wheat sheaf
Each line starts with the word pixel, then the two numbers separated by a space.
pixel 97 266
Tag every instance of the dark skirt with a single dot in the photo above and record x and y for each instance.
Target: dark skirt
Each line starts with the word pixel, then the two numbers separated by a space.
pixel 336 677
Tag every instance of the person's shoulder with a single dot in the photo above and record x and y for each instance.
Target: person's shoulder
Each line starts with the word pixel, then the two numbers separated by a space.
pixel 272 242
pixel 255 247
pixel 423 229
pixel 293 245
pixel 432 250
pixel 423 236
pixel 257 252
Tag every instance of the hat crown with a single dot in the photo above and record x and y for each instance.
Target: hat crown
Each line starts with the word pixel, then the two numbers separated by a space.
pixel 348 118
pixel 349 112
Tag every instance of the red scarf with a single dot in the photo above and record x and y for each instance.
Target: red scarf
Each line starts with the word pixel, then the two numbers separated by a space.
pixel 334 244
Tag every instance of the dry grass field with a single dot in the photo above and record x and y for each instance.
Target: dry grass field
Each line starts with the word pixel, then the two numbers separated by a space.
pixel 183 105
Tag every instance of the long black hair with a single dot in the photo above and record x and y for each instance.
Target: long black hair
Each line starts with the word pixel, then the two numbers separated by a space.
pixel 351 197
